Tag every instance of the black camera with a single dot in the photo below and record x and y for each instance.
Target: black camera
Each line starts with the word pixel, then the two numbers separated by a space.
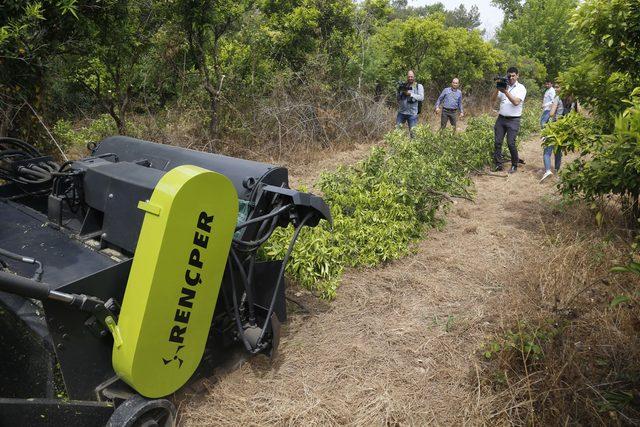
pixel 501 82
pixel 404 86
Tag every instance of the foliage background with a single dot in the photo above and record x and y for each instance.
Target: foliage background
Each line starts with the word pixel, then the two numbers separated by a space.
pixel 242 76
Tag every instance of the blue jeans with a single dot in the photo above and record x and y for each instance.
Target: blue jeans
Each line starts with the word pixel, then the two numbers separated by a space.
pixel 411 120
pixel 546 157
pixel 544 118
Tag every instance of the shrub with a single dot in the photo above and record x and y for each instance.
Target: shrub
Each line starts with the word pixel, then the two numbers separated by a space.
pixel 97 130
pixel 608 164
pixel 384 203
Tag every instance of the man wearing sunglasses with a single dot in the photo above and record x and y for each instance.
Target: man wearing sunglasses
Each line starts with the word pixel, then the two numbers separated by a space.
pixel 511 100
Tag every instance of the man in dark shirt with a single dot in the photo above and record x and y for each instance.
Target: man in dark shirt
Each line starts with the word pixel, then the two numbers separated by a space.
pixel 451 101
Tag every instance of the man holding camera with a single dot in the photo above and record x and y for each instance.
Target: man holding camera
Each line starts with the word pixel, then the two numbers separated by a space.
pixel 451 101
pixel 511 95
pixel 409 94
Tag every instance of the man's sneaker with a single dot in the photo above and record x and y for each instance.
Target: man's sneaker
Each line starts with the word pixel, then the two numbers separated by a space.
pixel 546 175
pixel 499 168
pixel 513 169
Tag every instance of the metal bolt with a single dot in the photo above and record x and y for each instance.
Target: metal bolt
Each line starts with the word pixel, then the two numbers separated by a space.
pixel 65 336
pixel 111 195
pixel 60 346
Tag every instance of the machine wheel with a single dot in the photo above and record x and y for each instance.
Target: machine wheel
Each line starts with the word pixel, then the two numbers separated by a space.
pixel 138 411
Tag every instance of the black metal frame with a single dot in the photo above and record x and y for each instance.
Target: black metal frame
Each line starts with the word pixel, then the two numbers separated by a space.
pixel 95 199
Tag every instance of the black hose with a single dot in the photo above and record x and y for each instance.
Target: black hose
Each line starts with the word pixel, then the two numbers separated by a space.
pixel 6 153
pixel 33 172
pixel 281 275
pixel 246 285
pixel 39 172
pixel 235 308
pixel 252 245
pixel 65 164
pixel 266 216
pixel 37 276
pixel 24 287
pixel 249 290
pixel 33 151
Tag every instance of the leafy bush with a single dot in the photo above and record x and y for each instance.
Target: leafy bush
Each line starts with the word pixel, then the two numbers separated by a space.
pixel 434 51
pixel 573 132
pixel 523 344
pixel 608 164
pixel 609 69
pixel 97 130
pixel 384 203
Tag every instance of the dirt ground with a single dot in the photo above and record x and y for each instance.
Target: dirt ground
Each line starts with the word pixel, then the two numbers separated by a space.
pixel 400 344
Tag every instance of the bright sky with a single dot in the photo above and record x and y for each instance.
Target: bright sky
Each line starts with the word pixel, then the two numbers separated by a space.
pixel 491 16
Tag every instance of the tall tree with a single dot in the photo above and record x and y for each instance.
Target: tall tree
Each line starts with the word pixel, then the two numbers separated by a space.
pixel 30 34
pixel 511 8
pixel 403 11
pixel 541 31
pixel 107 61
pixel 463 18
pixel 609 72
pixel 204 24
pixel 435 52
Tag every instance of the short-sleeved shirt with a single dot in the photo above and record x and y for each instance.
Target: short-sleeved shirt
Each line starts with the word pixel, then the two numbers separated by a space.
pixel 547 100
pixel 507 109
pixel 559 109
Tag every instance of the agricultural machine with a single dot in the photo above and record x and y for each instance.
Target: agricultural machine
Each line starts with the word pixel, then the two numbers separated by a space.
pixel 129 274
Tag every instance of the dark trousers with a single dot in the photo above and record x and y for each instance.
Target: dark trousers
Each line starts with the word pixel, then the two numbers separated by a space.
pixel 509 126
pixel 448 115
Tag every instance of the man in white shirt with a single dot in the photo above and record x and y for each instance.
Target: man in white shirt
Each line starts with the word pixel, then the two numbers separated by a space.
pixel 547 102
pixel 511 100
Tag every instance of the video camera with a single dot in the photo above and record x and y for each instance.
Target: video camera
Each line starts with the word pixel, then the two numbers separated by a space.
pixel 501 82
pixel 404 86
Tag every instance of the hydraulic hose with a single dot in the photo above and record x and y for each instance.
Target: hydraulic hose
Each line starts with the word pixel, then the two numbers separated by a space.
pixel 236 311
pixel 30 149
pixel 250 245
pixel 281 275
pixel 266 216
pixel 37 276
pixel 24 287
pixel 29 172
pixel 247 285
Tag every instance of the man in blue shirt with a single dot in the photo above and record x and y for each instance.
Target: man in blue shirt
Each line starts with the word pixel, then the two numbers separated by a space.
pixel 451 101
pixel 408 99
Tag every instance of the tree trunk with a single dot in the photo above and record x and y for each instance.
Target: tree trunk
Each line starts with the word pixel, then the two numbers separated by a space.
pixel 4 120
pixel 635 209
pixel 213 124
pixel 213 102
pixel 120 120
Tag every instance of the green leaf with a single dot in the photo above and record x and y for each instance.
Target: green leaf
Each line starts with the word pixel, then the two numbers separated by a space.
pixel 619 300
pixel 599 219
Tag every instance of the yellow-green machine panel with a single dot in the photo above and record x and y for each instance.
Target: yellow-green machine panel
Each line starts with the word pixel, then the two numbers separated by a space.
pixel 175 277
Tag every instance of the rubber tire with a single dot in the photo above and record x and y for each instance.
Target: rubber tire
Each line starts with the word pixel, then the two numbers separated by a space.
pixel 138 411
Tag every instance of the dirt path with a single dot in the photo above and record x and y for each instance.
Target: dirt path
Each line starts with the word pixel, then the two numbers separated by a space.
pixel 400 343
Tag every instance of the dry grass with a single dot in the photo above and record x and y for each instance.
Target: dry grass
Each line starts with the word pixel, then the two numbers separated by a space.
pixel 401 345
pixel 588 371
